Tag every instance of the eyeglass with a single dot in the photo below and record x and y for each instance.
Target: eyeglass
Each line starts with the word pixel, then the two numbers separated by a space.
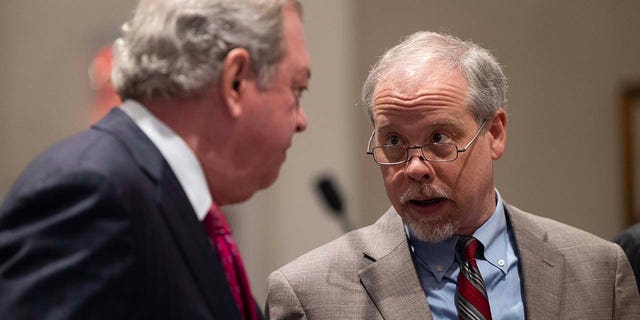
pixel 432 152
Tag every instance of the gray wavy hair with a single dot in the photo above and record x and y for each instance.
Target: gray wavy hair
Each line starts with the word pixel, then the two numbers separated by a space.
pixel 487 83
pixel 174 48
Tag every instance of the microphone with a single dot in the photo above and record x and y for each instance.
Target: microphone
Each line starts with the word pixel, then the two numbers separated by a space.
pixel 333 200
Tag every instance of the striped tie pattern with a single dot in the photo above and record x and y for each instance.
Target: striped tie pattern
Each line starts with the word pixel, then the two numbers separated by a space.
pixel 220 234
pixel 471 295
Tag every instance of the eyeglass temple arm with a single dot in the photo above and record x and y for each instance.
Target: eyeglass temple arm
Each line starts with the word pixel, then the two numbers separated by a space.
pixel 466 147
pixel 369 144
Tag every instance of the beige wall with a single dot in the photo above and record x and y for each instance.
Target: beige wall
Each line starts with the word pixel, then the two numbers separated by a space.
pixel 45 51
pixel 566 61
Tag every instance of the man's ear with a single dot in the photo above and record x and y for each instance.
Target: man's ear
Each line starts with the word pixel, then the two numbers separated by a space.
pixel 498 133
pixel 235 73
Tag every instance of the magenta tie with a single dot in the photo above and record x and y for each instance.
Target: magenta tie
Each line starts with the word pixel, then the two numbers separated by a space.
pixel 220 234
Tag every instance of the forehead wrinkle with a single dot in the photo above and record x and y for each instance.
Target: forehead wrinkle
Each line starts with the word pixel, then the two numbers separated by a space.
pixel 446 95
pixel 422 99
pixel 432 83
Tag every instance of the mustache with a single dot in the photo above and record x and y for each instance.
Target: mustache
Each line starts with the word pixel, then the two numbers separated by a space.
pixel 422 190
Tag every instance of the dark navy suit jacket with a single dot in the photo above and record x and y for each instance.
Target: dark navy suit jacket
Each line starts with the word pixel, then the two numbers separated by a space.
pixel 98 227
pixel 629 240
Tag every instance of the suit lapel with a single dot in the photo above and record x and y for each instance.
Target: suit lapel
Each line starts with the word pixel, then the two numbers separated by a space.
pixel 176 210
pixel 122 128
pixel 391 279
pixel 195 247
pixel 542 267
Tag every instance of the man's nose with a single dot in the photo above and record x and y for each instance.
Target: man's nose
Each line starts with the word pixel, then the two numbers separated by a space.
pixel 418 168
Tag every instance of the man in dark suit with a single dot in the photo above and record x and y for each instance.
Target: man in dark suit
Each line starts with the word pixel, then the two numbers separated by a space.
pixel 122 221
pixel 629 240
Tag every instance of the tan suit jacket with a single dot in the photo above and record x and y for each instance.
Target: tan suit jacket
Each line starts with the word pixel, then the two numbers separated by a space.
pixel 369 274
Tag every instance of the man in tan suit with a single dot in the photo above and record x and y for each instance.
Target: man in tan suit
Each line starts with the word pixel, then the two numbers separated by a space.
pixel 450 247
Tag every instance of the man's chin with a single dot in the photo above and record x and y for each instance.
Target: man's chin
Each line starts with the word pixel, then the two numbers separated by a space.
pixel 432 229
pixel 270 178
pixel 433 234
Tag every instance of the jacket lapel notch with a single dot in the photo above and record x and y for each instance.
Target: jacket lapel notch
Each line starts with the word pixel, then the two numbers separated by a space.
pixel 393 285
pixel 390 278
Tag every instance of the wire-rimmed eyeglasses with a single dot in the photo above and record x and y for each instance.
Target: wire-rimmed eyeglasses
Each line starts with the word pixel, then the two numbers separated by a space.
pixel 433 152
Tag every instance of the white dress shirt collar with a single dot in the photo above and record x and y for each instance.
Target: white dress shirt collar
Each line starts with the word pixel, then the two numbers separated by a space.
pixel 175 151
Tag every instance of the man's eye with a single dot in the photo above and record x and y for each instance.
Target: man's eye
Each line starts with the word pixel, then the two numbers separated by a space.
pixel 440 137
pixel 299 91
pixel 394 140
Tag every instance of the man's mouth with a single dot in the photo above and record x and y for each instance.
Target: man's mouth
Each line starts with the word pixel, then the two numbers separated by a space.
pixel 427 202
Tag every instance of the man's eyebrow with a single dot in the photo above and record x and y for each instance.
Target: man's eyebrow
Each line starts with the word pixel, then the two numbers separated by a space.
pixel 447 122
pixel 386 125
pixel 302 75
pixel 437 122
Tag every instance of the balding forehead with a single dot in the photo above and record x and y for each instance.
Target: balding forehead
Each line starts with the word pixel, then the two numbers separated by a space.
pixel 417 69
pixel 412 78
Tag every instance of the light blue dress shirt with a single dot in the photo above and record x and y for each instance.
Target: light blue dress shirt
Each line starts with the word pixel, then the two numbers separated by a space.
pixel 438 268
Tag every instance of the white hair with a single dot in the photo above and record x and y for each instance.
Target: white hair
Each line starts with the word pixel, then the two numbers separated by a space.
pixel 174 48
pixel 487 83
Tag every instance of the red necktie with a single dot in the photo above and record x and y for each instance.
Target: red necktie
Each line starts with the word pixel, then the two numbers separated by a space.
pixel 471 295
pixel 220 234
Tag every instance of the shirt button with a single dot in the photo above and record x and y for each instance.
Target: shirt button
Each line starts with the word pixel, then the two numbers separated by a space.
pixel 501 263
pixel 439 268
